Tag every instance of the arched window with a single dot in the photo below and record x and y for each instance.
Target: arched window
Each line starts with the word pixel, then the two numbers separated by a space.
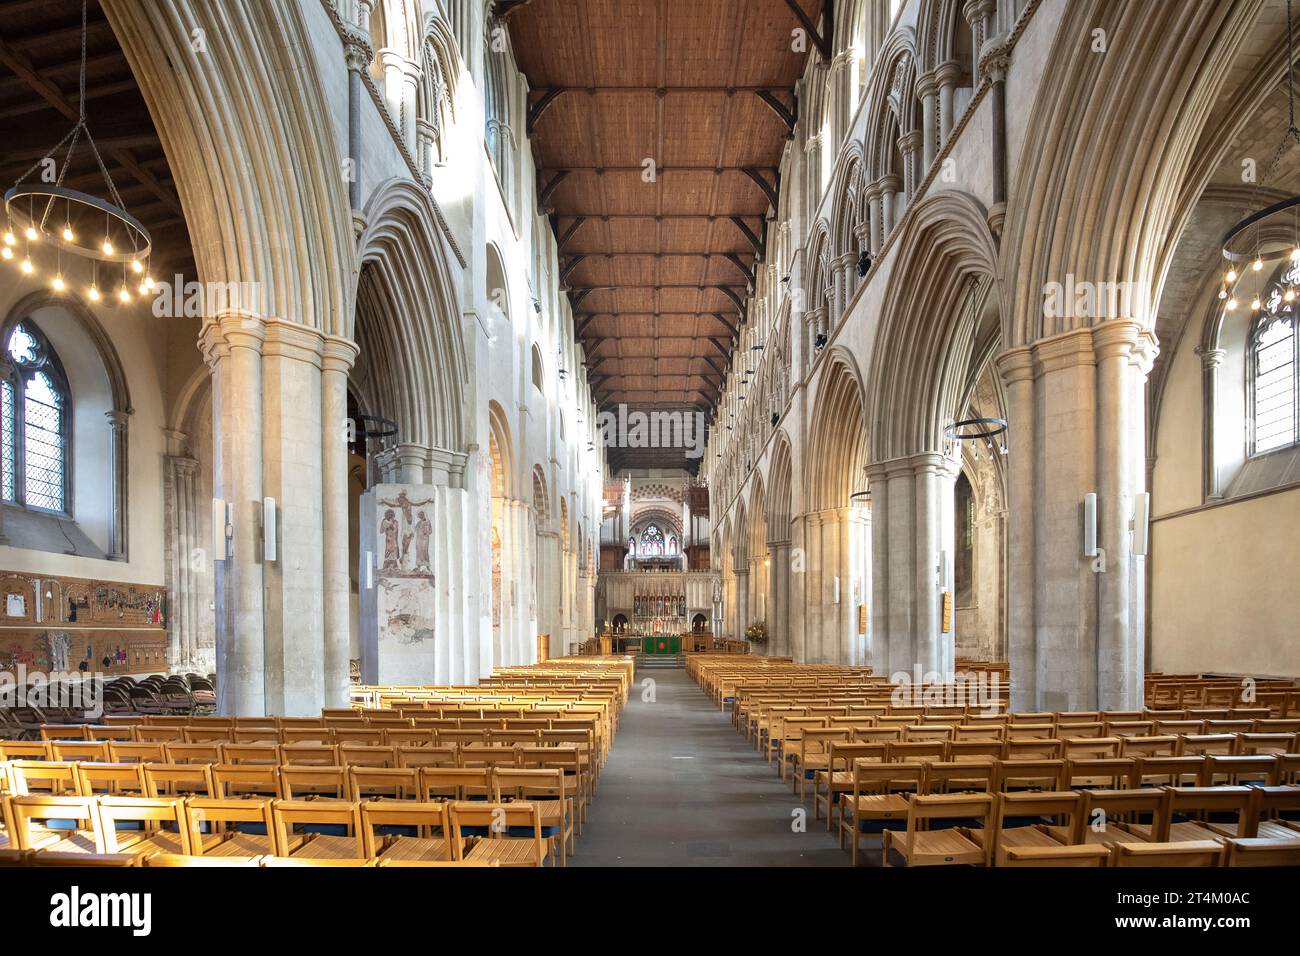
pixel 537 370
pixel 35 421
pixel 652 541
pixel 964 566
pixel 1272 369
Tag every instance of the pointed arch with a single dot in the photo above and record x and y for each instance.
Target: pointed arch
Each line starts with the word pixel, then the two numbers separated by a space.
pixel 837 441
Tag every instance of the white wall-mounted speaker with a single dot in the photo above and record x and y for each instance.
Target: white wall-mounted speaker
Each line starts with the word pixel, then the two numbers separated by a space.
pixel 268 529
pixel 220 520
pixel 1090 524
pixel 1141 523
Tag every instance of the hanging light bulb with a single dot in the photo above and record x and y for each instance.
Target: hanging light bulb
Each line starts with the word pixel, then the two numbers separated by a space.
pixel 1231 276
pixel 1257 264
pixel 1232 304
pixel 1289 295
pixel 10 239
pixel 30 233
pixel 6 252
pixel 135 266
pixel 27 266
pixel 57 284
pixel 149 284
pixel 143 289
pixel 123 294
pixel 1254 304
pixel 68 235
pixel 108 247
pixel 1295 254
pixel 1223 293
pixel 93 293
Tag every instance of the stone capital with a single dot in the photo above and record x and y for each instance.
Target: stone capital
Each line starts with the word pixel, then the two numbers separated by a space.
pixel 947 74
pixel 1115 339
pixel 231 330
pixel 910 141
pixel 117 419
pixel 338 354
pixel 1016 365
pixel 293 340
pixel 1211 358
pixel 1067 350
pixel 927 85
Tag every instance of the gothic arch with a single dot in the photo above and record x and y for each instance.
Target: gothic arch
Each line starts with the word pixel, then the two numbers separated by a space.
pixel 779 494
pixel 254 157
pixel 412 364
pixel 837 436
pixel 923 350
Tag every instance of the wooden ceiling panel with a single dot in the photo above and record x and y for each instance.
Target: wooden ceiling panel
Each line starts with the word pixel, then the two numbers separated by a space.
pixel 676 81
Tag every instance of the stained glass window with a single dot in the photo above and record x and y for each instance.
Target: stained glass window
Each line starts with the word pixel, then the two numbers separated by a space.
pixel 33 424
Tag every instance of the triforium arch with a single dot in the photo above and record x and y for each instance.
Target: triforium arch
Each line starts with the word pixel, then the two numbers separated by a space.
pixel 833 530
pixel 939 307
pixel 1076 625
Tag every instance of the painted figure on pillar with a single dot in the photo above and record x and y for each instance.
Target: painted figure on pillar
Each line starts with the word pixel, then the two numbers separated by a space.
pixel 423 531
pixel 388 529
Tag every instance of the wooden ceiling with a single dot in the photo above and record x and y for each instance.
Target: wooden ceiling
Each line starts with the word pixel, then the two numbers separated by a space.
pixel 40 55
pixel 658 271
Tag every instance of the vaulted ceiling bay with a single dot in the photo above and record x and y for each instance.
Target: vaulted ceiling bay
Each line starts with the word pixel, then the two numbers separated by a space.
pixel 658 127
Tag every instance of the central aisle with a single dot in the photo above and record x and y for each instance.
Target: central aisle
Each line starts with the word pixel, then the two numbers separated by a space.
pixel 683 788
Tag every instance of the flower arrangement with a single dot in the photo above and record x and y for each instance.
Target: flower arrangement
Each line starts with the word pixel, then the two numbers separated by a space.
pixel 756 633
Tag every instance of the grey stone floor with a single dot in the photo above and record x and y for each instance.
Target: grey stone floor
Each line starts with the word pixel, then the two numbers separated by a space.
pixel 683 788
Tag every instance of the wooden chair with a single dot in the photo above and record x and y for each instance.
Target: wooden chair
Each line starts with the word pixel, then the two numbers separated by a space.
pixel 311 782
pixel 831 784
pixel 1032 748
pixel 309 754
pixel 879 795
pixel 1154 746
pixel 501 820
pixel 960 776
pixel 109 733
pixel 1105 773
pixel 1187 853
pixel 570 759
pixel 208 735
pixel 26 750
pixel 64 732
pixel 920 846
pixel 1259 851
pixel 121 779
pixel 24 810
pixel 231 780
pixel 1241 770
pixel 315 816
pixel 176 859
pixel 162 825
pixel 148 734
pixel 433 755
pixel 547 790
pixel 1107 813
pixel 1030 774
pixel 1187 770
pixel 48 777
pixel 193 753
pixel 1199 802
pixel 93 750
pixel 1202 745
pixel 177 779
pixel 428 819
pixel 1080 855
pixel 454 783
pixel 135 752
pixel 903 751
pixel 233 826
pixel 1032 818
pixel 974 749
pixel 389 783
pixel 264 754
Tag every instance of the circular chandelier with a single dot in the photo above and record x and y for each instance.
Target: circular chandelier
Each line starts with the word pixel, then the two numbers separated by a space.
pixel 976 430
pixel 1270 234
pixel 76 223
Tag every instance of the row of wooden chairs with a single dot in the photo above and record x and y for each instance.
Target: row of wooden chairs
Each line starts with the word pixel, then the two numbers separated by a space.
pixel 982 827
pixel 507 833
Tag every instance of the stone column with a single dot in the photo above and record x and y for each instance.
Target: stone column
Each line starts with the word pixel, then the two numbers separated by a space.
pixel 232 346
pixel 778 625
pixel 874 230
pixel 741 618
pixel 798 589
pixel 899 611
pixel 1017 370
pixel 1211 362
pixel 118 538
pixel 928 90
pixel 1065 459
pixel 182 533
pixel 934 529
pixel 336 359
pixel 946 76
pixel 878 608
pixel 910 144
pixel 292 474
